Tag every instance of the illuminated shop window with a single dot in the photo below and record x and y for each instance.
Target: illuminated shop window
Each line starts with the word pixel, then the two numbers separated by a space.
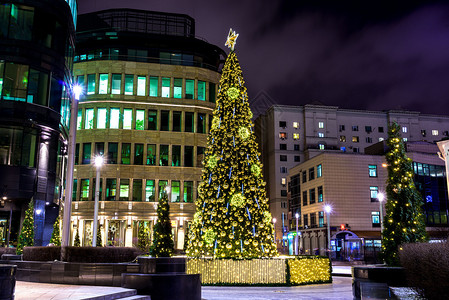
pixel 111 189
pixel 149 190
pixel 91 84
pixel 165 87
pixel 190 88
pixel 129 84
pixel 141 85
pixel 152 119
pixel 163 155
pixel 176 156
pixel 175 191
pixel 154 82
pixel 140 119
pixel 137 189
pixel 151 154
pixel 116 85
pixel 101 118
pixel 188 191
pixel 126 154
pixel 127 118
pixel 124 189
pixel 89 119
pixel 114 122
pixel 138 154
pixel 103 84
pixel 177 88
pixel 201 90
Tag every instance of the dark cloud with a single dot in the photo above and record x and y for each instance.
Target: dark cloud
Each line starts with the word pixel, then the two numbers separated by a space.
pixel 353 54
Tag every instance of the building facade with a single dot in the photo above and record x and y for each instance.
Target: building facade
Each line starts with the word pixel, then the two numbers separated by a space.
pixel 36 55
pixel 291 135
pixel 149 93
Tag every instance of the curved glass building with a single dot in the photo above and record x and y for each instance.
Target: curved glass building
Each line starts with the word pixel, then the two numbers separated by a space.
pixel 149 93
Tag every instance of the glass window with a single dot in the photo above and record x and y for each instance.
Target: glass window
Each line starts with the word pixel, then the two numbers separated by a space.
pixel 129 84
pixel 297 158
pixel 161 187
pixel 188 122
pixel 190 88
pixel 296 125
pixel 373 193
pixel 75 186
pixel 320 194
pixel 91 84
pixel 176 156
pixel 99 149
pixel 77 153
pixel 312 196
pixel 375 218
pixel 296 147
pixel 188 156
pixel 434 132
pixel 165 87
pixel 177 121
pixel 116 86
pixel 21 22
pixel 304 176
pixel 127 118
pixel 101 118
pixel 138 154
pixel 321 219
pixel 114 122
pixel 37 87
pixel 372 170
pixel 126 153
pixel 304 198
pixel 282 146
pixel 84 190
pixel 165 120
pixel 149 191
pixel 283 158
pixel 111 189
pixel 404 129
pixel 89 119
pixel 141 85
pixel 140 119
pixel 86 153
pixel 199 156
pixel 175 191
pixel 201 90
pixel 124 189
pixel 211 92
pixel 112 153
pixel 342 138
pixel 320 134
pixel 163 155
pixel 355 128
pixel 313 219
pixel 15 82
pixel 79 119
pixel 319 171
pixel 94 189
pixel 320 124
pixel 151 154
pixel 177 88
pixel 137 189
pixel 305 220
pixel 154 82
pixel 201 123
pixel 355 139
pixel 380 129
pixel 188 191
pixel 103 85
pixel 152 119
pixel 311 173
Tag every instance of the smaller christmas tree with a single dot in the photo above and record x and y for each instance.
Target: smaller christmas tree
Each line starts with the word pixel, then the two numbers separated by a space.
pixel 99 239
pixel 143 242
pixel 77 241
pixel 26 237
pixel 56 235
pixel 163 245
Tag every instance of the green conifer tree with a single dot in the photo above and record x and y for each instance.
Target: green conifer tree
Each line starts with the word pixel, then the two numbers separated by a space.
pixel 143 242
pixel 404 221
pixel 99 242
pixel 56 235
pixel 163 245
pixel 232 217
pixel 77 242
pixel 26 237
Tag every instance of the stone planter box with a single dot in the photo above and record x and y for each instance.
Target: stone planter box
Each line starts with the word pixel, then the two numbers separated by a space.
pixel 374 281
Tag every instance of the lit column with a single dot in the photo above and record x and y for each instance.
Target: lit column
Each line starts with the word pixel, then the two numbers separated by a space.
pixel 381 197
pixel 98 164
pixel 76 90
pixel 443 146
pixel 274 228
pixel 328 209
pixel 296 237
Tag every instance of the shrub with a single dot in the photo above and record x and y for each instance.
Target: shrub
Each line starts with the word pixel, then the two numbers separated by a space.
pixel 427 268
pixel 49 253
pixel 99 254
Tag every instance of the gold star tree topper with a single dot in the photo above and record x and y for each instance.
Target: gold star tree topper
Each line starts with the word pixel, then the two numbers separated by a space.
pixel 232 39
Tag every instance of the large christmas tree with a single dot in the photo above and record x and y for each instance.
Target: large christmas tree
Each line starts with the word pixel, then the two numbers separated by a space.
pixel 163 245
pixel 404 220
pixel 26 237
pixel 232 217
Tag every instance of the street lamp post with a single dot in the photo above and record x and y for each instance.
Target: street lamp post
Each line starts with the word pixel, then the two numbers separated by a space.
pixel 98 163
pixel 274 228
pixel 296 237
pixel 328 209
pixel 381 197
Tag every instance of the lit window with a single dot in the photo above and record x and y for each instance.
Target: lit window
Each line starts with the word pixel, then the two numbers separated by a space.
pixel 373 193
pixel 375 218
pixel 319 171
pixel 154 82
pixel 320 124
pixel 166 87
pixel 101 118
pixel 320 134
pixel 201 90
pixel 282 135
pixel 404 129
pixel 127 118
pixel 372 170
pixel 79 118
pixel 124 189
pixel 177 88
pixel 140 119
pixel 114 122
pixel 283 180
pixel 423 132
pixel 91 84
pixel 141 85
pixel 321 146
pixel 190 88
pixel 126 153
pixel 342 138
pixel 84 189
pixel 355 139
pixel 320 194
pixel 129 84
pixel 149 191
pixel 116 84
pixel 296 125
pixel 175 191
pixel 89 120
pixel 188 191
pixel 296 136
pixel 434 132
pixel 405 139
pixel 103 86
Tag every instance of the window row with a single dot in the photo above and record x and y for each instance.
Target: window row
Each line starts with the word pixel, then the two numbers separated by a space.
pixel 283 124
pixel 18 147
pixel 142 119
pixel 296 158
pixel 121 189
pixel 313 220
pixel 429 170
pixel 312 196
pixel 284 136
pixel 319 173
pixel 141 85
pixel 140 154
pixel 284 147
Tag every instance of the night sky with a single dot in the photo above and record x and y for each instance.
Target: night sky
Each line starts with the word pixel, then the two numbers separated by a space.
pixel 364 54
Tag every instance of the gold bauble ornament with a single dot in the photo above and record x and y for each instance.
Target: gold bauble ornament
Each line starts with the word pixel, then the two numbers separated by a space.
pixel 233 93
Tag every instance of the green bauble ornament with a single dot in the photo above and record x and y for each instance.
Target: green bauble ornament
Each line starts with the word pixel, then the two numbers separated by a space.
pixel 255 169
pixel 243 133
pixel 267 217
pixel 212 162
pixel 233 93
pixel 215 122
pixel 238 200
pixel 209 236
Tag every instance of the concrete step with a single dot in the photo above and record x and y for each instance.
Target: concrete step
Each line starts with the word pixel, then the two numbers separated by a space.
pixel 137 297
pixel 117 295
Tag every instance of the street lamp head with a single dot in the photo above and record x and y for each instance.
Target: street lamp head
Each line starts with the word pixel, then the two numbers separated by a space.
pixel 4 197
pixel 274 220
pixel 99 160
pixel 380 197
pixel 327 208
pixel 297 215
pixel 77 90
